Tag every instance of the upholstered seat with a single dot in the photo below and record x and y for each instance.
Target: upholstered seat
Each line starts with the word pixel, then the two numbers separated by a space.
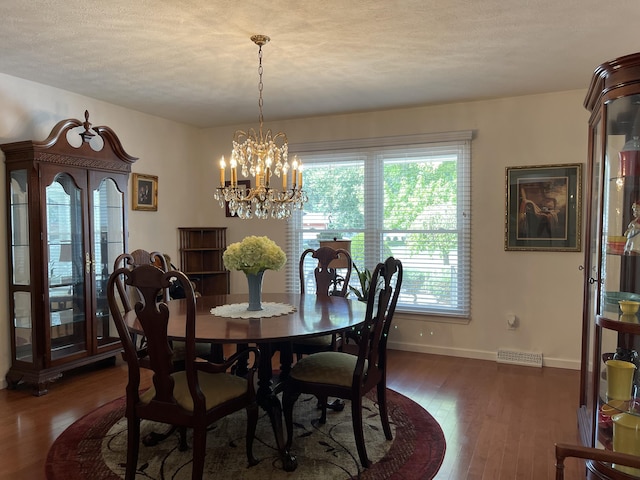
pixel 327 367
pixel 351 376
pixel 217 389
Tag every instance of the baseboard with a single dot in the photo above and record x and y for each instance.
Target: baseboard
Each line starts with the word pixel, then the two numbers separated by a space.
pixel 477 354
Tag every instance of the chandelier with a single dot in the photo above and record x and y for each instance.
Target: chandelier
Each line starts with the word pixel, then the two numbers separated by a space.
pixel 260 156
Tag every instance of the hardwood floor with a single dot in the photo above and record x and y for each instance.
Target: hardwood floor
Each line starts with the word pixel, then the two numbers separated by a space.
pixel 500 421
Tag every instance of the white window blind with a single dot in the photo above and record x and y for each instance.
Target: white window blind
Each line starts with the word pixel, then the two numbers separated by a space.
pixel 403 196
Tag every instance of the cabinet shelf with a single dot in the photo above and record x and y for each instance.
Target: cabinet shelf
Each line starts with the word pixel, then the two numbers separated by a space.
pixel 619 325
pixel 201 250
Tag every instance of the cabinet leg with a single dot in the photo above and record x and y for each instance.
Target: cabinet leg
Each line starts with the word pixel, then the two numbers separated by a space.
pixel 13 380
pixel 41 389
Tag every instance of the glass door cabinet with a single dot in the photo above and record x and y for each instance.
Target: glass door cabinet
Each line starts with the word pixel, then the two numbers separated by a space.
pixel 608 419
pixel 66 220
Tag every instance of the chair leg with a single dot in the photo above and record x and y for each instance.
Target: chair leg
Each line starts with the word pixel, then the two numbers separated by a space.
pixel 252 421
pixel 199 446
pixel 133 446
pixel 356 413
pixel 241 368
pixel 183 446
pixel 152 439
pixel 337 405
pixel 384 414
pixel 323 410
pixel 288 400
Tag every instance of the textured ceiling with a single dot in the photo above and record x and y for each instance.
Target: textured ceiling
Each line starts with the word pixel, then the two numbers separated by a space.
pixel 192 61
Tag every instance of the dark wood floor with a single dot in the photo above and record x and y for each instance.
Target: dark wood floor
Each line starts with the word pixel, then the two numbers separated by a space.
pixel 500 421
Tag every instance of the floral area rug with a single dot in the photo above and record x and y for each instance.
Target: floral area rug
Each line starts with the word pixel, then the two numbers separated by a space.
pixel 94 447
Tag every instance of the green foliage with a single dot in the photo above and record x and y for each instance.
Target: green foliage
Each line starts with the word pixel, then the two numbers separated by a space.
pixel 418 195
pixel 365 283
pixel 338 194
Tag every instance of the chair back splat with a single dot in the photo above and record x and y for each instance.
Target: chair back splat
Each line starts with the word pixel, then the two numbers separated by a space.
pixel 135 258
pixel 327 279
pixel 351 374
pixel 328 282
pixel 192 398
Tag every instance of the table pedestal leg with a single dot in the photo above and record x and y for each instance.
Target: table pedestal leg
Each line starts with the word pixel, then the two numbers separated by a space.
pixel 270 403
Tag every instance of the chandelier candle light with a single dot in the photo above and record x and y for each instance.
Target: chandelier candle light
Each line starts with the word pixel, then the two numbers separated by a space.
pixel 261 155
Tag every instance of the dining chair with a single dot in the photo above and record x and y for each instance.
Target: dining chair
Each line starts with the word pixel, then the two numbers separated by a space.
pixel 327 283
pixel 160 260
pixel 194 397
pixel 621 460
pixel 131 260
pixel 351 375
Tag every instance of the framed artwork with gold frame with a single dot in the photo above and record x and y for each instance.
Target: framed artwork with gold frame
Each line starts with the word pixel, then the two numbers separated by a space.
pixel 145 192
pixel 543 208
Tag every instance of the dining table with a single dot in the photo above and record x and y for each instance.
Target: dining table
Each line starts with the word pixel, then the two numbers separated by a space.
pixel 285 317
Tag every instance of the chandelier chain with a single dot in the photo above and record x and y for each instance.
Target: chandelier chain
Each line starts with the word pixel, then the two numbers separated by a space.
pixel 260 87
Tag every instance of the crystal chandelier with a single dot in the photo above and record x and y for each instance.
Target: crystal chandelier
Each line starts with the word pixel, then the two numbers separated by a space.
pixel 261 155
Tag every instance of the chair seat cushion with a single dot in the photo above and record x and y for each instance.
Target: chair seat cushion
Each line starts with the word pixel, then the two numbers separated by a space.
pixel 216 387
pixel 202 350
pixel 321 341
pixel 335 368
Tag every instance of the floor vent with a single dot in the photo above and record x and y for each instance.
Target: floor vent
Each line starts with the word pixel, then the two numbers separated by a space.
pixel 530 359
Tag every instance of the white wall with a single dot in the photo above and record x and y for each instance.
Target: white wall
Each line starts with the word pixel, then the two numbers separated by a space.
pixel 543 289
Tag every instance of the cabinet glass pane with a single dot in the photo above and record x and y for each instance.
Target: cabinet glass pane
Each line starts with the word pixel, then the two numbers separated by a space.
pixel 66 267
pixel 594 252
pixel 108 241
pixel 620 269
pixel 20 227
pixel 23 326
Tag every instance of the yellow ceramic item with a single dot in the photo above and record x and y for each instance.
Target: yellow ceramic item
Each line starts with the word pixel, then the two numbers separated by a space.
pixel 629 307
pixel 626 438
pixel 619 379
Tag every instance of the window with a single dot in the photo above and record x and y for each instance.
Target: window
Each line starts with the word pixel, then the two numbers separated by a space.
pixel 403 196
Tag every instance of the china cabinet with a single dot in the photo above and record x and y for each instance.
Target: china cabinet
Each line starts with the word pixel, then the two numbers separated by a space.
pixel 66 224
pixel 606 418
pixel 201 250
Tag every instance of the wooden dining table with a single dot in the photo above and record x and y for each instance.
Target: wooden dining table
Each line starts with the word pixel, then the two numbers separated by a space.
pixel 311 316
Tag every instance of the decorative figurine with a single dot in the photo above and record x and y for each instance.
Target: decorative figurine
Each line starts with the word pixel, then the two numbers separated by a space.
pixel 632 247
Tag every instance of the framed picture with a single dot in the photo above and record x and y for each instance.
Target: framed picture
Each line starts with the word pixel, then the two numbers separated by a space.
pixel 145 192
pixel 247 185
pixel 543 208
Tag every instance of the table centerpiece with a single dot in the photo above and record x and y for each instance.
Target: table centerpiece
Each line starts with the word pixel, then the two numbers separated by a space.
pixel 253 255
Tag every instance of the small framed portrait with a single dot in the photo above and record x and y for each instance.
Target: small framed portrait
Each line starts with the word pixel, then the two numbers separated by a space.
pixel 543 208
pixel 145 192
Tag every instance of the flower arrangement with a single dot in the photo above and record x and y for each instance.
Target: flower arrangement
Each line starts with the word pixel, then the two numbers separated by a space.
pixel 253 255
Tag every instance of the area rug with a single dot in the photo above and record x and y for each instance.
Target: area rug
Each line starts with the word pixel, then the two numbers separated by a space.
pixel 94 447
